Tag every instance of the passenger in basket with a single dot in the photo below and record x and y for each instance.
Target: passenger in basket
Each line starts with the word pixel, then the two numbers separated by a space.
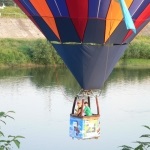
pixel 87 109
pixel 78 111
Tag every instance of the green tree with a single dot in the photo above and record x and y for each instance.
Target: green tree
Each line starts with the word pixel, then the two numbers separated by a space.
pixel 43 53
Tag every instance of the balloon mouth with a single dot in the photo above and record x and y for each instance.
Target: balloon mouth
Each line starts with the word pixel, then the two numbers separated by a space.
pixel 85 43
pixel 89 93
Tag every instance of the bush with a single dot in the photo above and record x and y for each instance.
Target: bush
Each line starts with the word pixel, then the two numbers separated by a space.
pixel 42 52
pixel 142 145
pixel 12 57
pixel 6 144
pixel 139 48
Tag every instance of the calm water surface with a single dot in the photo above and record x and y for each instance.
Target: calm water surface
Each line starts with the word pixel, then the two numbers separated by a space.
pixel 42 100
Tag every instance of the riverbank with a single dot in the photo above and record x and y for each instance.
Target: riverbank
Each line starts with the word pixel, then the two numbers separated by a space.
pixel 133 63
pixel 40 53
pixel 128 63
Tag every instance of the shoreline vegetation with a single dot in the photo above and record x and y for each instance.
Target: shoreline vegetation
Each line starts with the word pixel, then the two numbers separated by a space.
pixel 40 53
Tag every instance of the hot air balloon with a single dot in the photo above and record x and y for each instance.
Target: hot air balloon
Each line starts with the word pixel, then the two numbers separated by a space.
pixel 89 35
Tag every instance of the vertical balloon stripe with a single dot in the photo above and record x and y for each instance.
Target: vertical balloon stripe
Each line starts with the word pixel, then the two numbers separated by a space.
pixel 78 11
pixel 58 7
pixel 140 20
pixel 94 8
pixel 114 17
pixel 67 30
pixel 134 7
pixel 141 8
pixel 98 8
pixel 29 7
pixel 104 8
pixel 138 30
pixel 95 31
pixel 46 14
pixel 118 35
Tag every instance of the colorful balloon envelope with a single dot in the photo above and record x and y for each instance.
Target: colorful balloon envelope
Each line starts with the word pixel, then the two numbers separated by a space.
pixel 89 35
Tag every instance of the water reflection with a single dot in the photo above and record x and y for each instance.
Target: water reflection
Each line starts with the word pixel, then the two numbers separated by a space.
pixel 125 76
pixel 61 77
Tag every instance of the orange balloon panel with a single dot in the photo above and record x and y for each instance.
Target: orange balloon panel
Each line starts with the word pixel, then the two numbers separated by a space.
pixel 46 14
pixel 114 17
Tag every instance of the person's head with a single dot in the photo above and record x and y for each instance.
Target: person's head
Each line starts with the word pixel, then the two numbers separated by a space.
pixel 86 103
pixel 78 104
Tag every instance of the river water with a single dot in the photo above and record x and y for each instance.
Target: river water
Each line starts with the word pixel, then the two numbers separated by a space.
pixel 42 100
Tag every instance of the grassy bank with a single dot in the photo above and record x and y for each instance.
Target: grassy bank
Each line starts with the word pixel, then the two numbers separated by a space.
pixel 16 52
pixel 27 53
pixel 12 12
pixel 134 62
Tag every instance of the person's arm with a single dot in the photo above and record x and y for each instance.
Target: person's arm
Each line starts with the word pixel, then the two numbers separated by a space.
pixel 85 109
pixel 79 111
pixel 75 110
